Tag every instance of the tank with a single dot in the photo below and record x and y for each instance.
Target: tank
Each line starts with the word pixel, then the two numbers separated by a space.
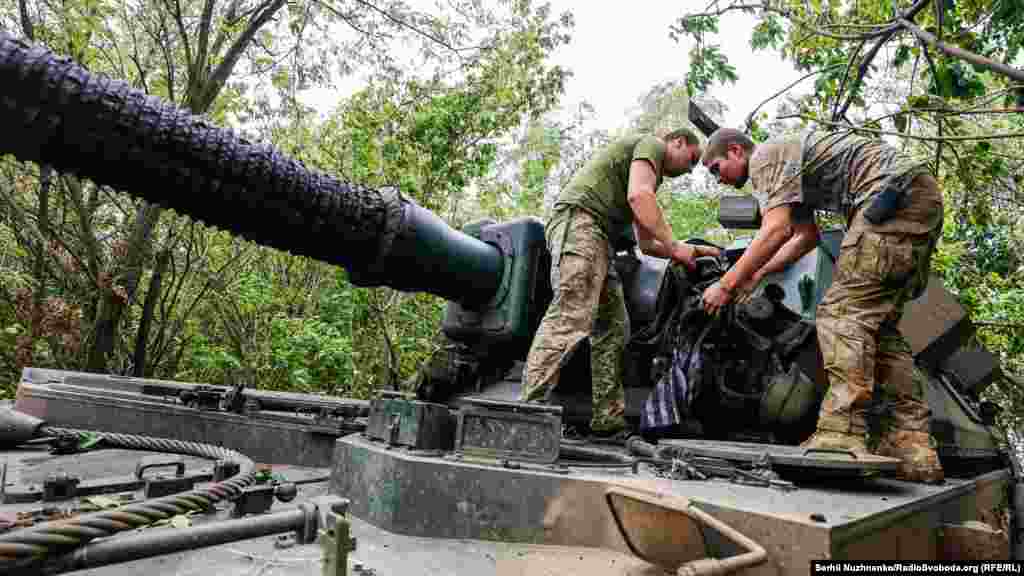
pixel 724 489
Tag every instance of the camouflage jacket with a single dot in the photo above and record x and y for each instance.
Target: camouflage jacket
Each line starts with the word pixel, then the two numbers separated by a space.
pixel 835 171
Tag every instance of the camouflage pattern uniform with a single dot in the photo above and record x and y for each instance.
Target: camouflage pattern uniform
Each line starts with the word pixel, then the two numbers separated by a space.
pixel 879 268
pixel 588 299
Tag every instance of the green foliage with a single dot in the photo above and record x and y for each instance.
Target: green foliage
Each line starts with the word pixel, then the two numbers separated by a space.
pixel 956 80
pixel 768 33
pixel 692 215
pixel 707 67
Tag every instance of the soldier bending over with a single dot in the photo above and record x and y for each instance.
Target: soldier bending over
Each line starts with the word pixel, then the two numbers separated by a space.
pixel 616 188
pixel 893 211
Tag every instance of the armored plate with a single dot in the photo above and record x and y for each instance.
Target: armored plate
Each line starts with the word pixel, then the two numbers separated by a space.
pixel 792 459
pixel 508 430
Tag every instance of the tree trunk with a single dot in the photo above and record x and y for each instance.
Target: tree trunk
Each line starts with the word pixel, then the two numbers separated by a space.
pixel 113 302
pixel 43 224
pixel 152 295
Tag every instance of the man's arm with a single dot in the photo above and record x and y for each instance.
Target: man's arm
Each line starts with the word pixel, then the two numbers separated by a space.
pixel 653 234
pixel 652 231
pixel 804 239
pixel 776 230
pixel 649 245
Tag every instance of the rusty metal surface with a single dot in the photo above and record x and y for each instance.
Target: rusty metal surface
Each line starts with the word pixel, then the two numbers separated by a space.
pixel 659 532
pixel 972 541
pixel 909 529
pixel 416 495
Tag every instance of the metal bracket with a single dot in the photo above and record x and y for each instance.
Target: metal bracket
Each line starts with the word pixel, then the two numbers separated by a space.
pixel 60 486
pixel 258 499
pixel 202 397
pixel 336 540
pixel 162 486
pixel 669 531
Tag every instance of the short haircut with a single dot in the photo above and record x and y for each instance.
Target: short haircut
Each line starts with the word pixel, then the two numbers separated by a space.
pixel 720 141
pixel 689 136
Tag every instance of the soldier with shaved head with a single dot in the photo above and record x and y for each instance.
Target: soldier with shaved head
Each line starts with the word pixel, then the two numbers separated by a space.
pixel 892 209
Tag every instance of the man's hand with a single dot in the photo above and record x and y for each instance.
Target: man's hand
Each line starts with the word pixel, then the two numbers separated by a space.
pixel 684 253
pixel 715 296
pixel 743 292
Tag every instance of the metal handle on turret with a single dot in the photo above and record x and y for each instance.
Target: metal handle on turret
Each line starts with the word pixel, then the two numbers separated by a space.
pixel 665 553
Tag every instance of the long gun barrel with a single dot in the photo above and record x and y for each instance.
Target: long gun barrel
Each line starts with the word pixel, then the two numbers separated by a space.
pixel 53 111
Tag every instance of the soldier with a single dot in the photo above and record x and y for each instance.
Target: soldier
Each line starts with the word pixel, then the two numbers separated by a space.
pixel 616 188
pixel 893 213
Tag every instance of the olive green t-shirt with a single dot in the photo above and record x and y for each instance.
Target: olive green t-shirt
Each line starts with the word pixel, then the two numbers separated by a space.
pixel 601 185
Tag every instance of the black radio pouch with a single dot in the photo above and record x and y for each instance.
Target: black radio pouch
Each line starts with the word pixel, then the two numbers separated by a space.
pixel 885 205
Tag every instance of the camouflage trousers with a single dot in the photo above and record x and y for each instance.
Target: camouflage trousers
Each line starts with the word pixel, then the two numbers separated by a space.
pixel 868 362
pixel 588 303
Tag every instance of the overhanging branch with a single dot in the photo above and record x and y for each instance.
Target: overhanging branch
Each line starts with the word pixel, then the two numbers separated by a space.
pixel 958 52
pixel 750 117
pixel 910 13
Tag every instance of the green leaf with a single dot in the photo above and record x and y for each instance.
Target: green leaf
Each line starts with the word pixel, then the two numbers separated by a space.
pixel 920 101
pixel 89 440
pixel 902 56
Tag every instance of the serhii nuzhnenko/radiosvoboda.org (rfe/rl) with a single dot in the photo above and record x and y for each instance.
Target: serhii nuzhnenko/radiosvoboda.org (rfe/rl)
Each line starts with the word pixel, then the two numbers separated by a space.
pixel 930 567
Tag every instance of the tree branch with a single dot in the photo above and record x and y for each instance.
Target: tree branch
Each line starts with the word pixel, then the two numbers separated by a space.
pixel 405 24
pixel 222 35
pixel 815 30
pixel 842 85
pixel 176 11
pixel 202 49
pixel 750 117
pixel 86 231
pixel 870 56
pixel 26 21
pixel 994 324
pixel 902 135
pixel 164 42
pixel 935 78
pixel 216 81
pixel 958 52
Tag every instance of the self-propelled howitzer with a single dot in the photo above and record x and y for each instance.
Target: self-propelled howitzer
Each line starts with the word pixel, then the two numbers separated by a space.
pixel 760 382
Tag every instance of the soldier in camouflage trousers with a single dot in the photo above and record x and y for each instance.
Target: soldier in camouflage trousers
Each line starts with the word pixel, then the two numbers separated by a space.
pixel 893 212
pixel 614 190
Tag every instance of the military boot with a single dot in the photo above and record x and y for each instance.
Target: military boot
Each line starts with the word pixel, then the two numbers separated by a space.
pixel 903 433
pixel 839 433
pixel 919 462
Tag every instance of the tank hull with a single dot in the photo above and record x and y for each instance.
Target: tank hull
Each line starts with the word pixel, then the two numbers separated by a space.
pixel 545 510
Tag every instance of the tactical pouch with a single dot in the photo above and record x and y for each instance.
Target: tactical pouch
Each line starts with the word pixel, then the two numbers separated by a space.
pixel 884 205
